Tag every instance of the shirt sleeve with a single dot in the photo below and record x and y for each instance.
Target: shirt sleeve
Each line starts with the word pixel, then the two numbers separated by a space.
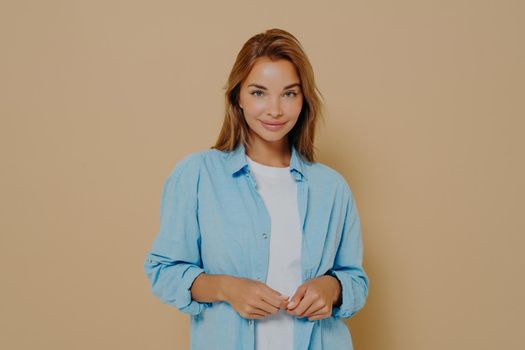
pixel 174 261
pixel 348 263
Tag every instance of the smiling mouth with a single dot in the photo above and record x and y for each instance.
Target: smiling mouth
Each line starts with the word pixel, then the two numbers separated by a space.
pixel 272 127
pixel 273 123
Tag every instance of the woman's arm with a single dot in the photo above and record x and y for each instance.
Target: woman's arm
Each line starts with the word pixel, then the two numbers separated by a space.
pixel 208 288
pixel 174 261
pixel 250 298
pixel 348 267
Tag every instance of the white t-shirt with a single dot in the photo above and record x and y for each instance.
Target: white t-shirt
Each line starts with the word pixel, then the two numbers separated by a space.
pixel 278 190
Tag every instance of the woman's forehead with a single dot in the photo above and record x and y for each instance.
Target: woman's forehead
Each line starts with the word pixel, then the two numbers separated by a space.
pixel 273 74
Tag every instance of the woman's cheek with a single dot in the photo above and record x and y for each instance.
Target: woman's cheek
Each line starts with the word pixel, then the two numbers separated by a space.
pixel 295 109
pixel 296 103
pixel 258 107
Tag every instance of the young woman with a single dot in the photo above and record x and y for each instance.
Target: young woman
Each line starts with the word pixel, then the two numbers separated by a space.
pixel 258 242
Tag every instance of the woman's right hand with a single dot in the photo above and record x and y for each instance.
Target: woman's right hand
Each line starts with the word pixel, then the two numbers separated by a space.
pixel 251 298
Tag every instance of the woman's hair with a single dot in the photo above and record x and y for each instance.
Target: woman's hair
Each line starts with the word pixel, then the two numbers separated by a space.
pixel 274 44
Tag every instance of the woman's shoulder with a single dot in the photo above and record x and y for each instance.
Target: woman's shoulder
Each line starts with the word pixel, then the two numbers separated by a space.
pixel 328 175
pixel 191 162
pixel 325 171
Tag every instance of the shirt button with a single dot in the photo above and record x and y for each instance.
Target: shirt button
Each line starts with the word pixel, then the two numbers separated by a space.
pixel 264 235
pixel 250 321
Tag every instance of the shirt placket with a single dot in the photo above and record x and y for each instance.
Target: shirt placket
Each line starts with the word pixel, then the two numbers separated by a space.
pixel 262 236
pixel 262 225
pixel 303 328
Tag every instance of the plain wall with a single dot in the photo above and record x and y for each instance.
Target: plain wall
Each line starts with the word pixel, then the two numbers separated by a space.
pixel 425 109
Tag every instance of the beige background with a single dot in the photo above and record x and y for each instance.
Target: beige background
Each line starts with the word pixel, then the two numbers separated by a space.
pixel 425 104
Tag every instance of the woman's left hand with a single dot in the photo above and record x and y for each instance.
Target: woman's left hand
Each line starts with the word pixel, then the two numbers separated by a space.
pixel 315 298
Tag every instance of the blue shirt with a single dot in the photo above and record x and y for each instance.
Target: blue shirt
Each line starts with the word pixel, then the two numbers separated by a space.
pixel 213 220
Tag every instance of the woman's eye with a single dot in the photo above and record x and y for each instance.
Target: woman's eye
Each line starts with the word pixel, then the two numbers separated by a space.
pixel 259 93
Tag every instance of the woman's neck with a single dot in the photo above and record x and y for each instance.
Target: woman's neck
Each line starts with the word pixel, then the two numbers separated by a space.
pixel 275 154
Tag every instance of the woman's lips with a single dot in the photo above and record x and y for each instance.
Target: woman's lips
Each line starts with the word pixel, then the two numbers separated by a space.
pixel 272 127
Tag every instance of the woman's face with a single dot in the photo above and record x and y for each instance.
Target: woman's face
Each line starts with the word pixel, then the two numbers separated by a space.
pixel 271 99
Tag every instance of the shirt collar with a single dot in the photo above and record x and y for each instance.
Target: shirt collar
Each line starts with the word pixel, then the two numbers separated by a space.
pixel 236 160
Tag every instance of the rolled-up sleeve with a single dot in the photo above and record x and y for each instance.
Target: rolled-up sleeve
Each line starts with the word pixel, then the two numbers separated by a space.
pixel 348 263
pixel 174 261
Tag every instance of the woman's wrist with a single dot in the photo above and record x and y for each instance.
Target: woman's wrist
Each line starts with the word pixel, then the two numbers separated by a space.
pixel 339 290
pixel 336 299
pixel 225 281
pixel 210 287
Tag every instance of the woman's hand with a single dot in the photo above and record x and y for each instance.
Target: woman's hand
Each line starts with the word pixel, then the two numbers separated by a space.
pixel 252 299
pixel 315 298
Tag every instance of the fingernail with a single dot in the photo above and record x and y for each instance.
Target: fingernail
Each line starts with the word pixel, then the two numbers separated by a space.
pixel 291 304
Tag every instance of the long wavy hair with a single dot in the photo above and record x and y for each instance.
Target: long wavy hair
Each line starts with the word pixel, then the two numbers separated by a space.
pixel 274 44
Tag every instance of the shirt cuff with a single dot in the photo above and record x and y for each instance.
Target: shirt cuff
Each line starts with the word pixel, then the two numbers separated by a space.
pixel 347 297
pixel 183 300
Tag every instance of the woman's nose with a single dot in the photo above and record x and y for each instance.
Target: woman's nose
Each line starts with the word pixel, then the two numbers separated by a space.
pixel 274 108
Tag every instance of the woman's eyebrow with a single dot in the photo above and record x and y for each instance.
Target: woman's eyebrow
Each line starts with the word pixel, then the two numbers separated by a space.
pixel 264 88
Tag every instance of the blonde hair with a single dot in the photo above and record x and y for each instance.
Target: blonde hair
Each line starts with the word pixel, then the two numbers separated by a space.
pixel 274 44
